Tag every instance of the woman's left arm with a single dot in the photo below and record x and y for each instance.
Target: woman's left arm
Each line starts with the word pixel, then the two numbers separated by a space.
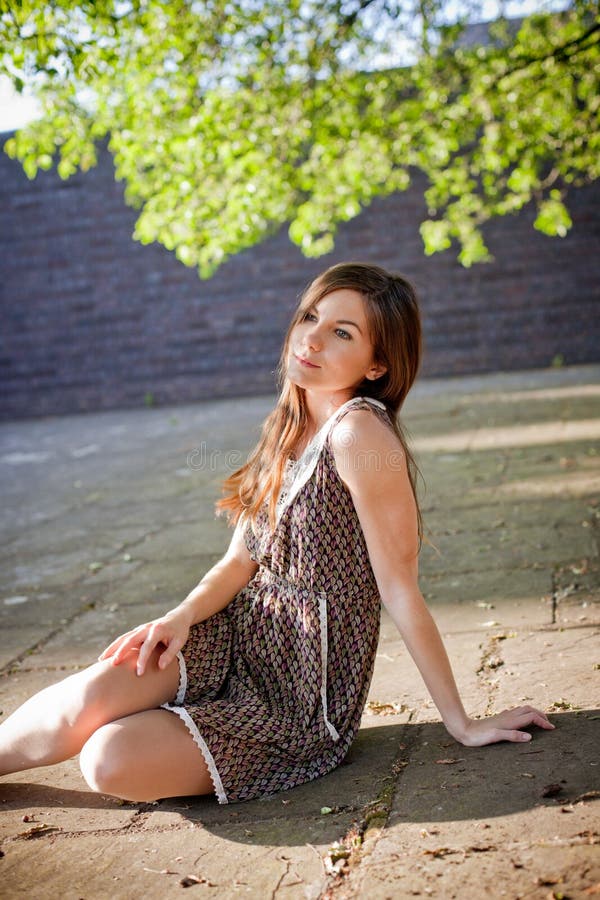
pixel 372 464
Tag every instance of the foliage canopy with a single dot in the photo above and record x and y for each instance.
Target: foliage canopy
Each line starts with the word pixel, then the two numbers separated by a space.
pixel 229 118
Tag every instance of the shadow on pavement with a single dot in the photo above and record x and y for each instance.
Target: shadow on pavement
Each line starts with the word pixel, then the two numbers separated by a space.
pixel 31 795
pixel 436 780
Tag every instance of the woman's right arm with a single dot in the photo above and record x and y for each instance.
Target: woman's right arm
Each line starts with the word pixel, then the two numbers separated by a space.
pixel 213 593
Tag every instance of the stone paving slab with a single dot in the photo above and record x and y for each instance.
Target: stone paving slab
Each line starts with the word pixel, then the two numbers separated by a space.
pixel 466 824
pixel 227 845
pixel 108 520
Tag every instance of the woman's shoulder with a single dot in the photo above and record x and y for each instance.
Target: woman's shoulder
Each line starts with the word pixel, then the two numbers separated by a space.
pixel 365 422
pixel 364 440
pixel 374 465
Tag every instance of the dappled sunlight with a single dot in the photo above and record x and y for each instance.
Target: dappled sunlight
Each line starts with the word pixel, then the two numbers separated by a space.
pixel 505 436
pixel 565 484
pixel 561 392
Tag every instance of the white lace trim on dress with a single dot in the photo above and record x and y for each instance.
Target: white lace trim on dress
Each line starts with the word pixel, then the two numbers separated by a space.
pixel 305 466
pixel 323 623
pixel 185 717
pixel 203 747
pixel 182 688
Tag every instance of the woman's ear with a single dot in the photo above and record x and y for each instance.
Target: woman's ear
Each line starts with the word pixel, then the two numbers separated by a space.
pixel 375 372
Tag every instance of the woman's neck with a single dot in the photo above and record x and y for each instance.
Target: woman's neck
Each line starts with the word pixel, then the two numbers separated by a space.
pixel 320 406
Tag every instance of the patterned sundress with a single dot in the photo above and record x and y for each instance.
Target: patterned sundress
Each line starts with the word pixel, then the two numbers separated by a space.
pixel 272 688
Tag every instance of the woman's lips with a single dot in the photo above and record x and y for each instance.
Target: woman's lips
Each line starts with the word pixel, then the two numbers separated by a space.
pixel 306 362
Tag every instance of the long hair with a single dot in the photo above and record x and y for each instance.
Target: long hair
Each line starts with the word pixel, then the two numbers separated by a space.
pixel 395 331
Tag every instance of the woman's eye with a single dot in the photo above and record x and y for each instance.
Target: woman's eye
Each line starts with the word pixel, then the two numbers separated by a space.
pixel 309 317
pixel 343 334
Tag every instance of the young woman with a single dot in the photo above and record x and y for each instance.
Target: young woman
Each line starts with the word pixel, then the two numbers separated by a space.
pixel 256 682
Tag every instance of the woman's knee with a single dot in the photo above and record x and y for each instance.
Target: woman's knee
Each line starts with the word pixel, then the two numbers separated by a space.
pixel 106 763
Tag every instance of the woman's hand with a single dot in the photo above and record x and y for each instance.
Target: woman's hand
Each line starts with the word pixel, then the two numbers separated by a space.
pixel 170 630
pixel 505 726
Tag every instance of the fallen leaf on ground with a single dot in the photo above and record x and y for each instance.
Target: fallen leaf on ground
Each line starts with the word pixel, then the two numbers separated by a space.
pixel 562 704
pixel 385 709
pixel 439 852
pixel 338 851
pixel 544 880
pixel 590 835
pixel 160 871
pixel 333 868
pixel 551 790
pixel 494 662
pixel 448 762
pixel 189 880
pixel 37 830
pixel 589 795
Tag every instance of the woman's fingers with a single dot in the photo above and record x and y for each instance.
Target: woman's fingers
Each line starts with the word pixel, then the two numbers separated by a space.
pixel 491 735
pixel 539 719
pixel 158 633
pixel 514 736
pixel 112 648
pixel 152 639
pixel 507 725
pixel 166 658
pixel 523 716
pixel 122 645
pixel 144 639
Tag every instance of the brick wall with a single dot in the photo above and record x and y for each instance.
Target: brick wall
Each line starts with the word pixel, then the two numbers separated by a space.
pixel 92 320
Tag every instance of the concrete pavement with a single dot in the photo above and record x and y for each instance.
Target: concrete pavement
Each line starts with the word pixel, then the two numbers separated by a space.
pixel 108 520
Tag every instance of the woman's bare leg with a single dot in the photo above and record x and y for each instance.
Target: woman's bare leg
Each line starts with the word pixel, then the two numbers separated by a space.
pixel 144 757
pixel 54 724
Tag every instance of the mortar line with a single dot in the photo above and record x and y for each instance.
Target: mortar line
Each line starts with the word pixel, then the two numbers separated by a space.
pixel 381 807
pixel 77 584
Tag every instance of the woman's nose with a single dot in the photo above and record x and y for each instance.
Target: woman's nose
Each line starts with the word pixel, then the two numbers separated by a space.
pixel 313 338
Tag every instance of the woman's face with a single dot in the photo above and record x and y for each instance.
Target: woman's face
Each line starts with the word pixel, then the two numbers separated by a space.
pixel 330 349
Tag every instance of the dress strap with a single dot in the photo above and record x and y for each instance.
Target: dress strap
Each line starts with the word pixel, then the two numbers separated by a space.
pixel 351 404
pixel 307 463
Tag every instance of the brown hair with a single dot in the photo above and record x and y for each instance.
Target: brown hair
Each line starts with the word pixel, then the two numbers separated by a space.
pixel 395 330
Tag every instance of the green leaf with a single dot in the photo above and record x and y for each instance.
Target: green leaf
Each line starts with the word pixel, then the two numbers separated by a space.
pixel 473 250
pixel 227 120
pixel 30 167
pixel 553 217
pixel 436 235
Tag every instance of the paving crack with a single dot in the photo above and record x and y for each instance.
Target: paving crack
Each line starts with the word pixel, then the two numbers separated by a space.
pixel 554 597
pixel 79 584
pixel 346 855
pixel 491 661
pixel 283 875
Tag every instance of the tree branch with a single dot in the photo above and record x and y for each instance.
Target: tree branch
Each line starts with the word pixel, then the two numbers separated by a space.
pixel 349 20
pixel 562 53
